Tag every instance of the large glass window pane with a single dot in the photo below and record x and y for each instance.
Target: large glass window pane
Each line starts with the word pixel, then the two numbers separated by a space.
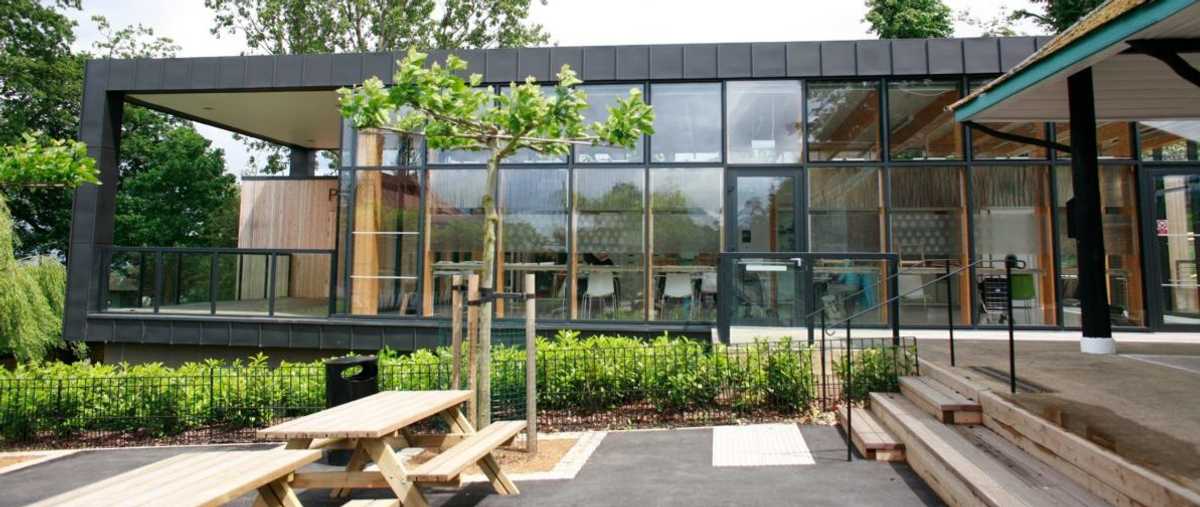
pixel 1113 139
pixel 765 121
pixel 533 207
pixel 766 214
pixel 1176 203
pixel 985 146
pixel 687 122
pixel 600 98
pixel 1012 216
pixel 386 243
pixel 455 227
pixel 843 120
pixel 929 218
pixel 845 209
pixel 685 227
pixel 1169 140
pixel 609 208
pixel 1123 259
pixel 919 125
pixel 130 282
pixel 242 284
pixel 185 283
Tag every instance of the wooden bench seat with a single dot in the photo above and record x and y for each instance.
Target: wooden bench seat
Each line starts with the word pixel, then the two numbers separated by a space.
pixel 196 479
pixel 940 401
pixel 450 463
pixel 871 439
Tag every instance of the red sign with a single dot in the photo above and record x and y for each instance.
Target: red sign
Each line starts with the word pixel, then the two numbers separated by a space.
pixel 1161 226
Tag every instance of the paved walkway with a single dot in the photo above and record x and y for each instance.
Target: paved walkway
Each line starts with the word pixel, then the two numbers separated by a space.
pixel 669 467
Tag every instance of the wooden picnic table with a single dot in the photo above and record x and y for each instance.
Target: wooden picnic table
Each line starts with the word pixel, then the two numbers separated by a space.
pixel 376 426
pixel 197 479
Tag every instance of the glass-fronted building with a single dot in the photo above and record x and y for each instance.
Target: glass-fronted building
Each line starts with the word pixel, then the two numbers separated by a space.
pixel 778 147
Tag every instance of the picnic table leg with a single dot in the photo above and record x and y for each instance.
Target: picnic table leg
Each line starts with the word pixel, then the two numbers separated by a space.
pixel 500 481
pixel 284 493
pixel 358 461
pixel 299 443
pixel 393 472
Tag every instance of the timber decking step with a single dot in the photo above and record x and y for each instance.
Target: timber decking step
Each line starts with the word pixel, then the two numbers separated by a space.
pixel 972 465
pixel 372 503
pixel 871 439
pixel 941 401
pixel 451 462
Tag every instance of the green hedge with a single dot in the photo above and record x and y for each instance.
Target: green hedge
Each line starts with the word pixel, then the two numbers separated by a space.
pixel 577 375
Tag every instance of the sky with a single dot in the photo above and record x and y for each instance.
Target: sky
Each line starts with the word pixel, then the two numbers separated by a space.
pixel 569 22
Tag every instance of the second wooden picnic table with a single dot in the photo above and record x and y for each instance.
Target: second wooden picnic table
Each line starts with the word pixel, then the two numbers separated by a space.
pixel 376 427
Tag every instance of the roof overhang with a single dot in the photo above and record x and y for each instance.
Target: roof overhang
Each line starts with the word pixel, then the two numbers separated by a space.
pixel 304 118
pixel 1129 85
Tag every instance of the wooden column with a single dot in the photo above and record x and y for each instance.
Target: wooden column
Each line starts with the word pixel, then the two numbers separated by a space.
pixel 368 203
pixel 456 303
pixel 965 283
pixel 531 439
pixel 1089 230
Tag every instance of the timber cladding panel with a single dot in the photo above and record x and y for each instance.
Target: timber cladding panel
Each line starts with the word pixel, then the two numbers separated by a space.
pixel 291 213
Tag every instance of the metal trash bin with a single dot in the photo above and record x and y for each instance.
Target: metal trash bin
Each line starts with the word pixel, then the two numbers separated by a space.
pixel 343 385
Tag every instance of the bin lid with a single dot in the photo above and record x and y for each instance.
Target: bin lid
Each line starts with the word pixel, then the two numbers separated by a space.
pixel 351 360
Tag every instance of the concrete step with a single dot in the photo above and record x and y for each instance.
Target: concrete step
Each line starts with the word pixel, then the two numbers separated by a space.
pixel 972 465
pixel 870 437
pixel 941 401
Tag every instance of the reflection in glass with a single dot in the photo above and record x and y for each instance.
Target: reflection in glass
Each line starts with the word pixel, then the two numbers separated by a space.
pixel 130 283
pixel 843 120
pixel 600 98
pixel 185 283
pixel 687 122
pixel 766 214
pixel 1012 216
pixel 1113 139
pixel 843 288
pixel 984 146
pixel 533 212
pixel 765 121
pixel 1169 140
pixel 1118 200
pixel 685 207
pixel 1177 206
pixel 928 218
pixel 609 211
pixel 455 226
pixel 920 125
pixel 764 293
pixel 845 209
pixel 386 243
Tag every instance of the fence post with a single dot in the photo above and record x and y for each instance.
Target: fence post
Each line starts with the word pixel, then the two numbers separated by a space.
pixel 849 402
pixel 950 311
pixel 824 379
pixel 472 345
pixel 1010 262
pixel 456 331
pixel 211 387
pixel 531 438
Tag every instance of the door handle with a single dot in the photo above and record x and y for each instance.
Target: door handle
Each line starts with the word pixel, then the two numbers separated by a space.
pixel 799 261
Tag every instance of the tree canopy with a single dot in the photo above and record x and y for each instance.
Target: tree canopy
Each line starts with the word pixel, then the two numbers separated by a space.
pixel 1058 15
pixel 35 162
pixel 312 26
pixel 909 19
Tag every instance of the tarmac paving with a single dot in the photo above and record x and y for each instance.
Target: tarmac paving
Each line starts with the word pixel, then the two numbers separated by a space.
pixel 659 468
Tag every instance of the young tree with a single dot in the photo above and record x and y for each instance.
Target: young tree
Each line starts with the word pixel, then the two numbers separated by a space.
pixel 455 114
pixel 909 19
pixel 32 290
pixel 1058 15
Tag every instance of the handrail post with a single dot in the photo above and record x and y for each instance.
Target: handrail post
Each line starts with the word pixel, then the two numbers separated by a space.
pixel 1010 262
pixel 824 379
pixel 849 403
pixel 950 311
pixel 894 304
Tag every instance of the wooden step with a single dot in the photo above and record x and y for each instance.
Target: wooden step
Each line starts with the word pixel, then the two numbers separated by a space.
pixel 871 439
pixel 940 401
pixel 972 465
pixel 372 503
pixel 451 462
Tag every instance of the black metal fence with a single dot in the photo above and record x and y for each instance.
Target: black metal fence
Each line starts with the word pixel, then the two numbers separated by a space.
pixel 676 383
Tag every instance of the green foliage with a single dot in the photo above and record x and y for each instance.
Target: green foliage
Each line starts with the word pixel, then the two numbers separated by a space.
pixel 576 375
pixel 47 163
pixel 309 26
pixel 1057 15
pixel 876 369
pixel 31 299
pixel 909 19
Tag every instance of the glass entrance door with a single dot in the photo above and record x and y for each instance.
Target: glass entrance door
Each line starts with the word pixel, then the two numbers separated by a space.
pixel 1176 226
pixel 765 211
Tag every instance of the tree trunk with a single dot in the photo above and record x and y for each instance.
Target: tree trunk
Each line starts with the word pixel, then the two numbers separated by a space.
pixel 486 283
